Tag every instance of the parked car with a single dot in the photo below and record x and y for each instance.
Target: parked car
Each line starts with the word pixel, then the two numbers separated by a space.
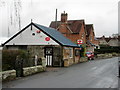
pixel 90 55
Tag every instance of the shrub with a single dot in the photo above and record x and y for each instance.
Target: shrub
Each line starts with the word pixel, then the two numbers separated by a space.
pixel 107 49
pixel 9 58
pixel 83 51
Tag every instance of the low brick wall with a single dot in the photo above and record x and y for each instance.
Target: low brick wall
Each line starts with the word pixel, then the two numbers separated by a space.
pixel 107 55
pixel 32 70
pixel 8 75
pixel 83 59
pixel 115 54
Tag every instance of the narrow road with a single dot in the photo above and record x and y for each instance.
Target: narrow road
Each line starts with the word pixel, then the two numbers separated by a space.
pixel 93 74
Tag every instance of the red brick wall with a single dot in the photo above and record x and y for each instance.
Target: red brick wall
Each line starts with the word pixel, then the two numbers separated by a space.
pixel 91 37
pixel 73 37
pixel 63 29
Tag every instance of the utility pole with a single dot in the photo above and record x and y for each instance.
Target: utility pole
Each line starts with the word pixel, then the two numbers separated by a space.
pixel 56 20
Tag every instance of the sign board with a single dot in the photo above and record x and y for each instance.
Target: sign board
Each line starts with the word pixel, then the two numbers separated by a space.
pixel 79 41
pixel 47 38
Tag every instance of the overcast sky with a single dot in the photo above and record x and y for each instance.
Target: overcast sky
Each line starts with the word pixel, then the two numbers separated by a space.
pixel 103 14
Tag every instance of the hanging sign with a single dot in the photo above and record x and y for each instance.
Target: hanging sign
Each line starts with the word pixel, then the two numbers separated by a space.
pixel 47 39
pixel 79 41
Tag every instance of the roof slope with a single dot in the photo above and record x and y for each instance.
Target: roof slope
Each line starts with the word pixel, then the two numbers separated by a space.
pixel 74 25
pixel 89 27
pixel 55 35
pixel 107 39
pixel 52 33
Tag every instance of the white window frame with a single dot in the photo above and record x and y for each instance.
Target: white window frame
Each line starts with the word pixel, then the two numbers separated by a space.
pixel 71 52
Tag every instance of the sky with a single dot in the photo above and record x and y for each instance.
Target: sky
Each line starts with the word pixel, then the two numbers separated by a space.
pixel 103 14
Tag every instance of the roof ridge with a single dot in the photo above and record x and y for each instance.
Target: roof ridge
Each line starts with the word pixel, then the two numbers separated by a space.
pixel 71 20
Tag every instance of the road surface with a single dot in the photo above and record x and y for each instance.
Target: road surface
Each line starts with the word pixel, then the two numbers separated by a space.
pixel 92 74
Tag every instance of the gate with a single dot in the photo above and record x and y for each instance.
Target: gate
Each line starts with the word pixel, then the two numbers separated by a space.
pixel 49 56
pixel 19 66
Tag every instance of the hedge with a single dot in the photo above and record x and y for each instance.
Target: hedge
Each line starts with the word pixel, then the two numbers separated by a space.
pixel 107 49
pixel 9 59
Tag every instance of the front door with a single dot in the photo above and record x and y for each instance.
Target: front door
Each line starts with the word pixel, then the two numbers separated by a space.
pixel 49 56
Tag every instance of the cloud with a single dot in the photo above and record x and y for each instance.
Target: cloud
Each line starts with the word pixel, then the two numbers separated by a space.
pixel 101 13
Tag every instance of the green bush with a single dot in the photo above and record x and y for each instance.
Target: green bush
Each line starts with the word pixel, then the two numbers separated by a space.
pixel 107 49
pixel 9 59
pixel 83 51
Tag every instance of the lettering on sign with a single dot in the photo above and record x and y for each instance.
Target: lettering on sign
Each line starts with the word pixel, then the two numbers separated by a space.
pixel 79 41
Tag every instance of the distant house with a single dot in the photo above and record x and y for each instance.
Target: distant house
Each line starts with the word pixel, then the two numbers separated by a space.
pixel 72 29
pixel 92 42
pixel 109 41
pixel 96 43
pixel 44 42
pixel 113 42
pixel 102 40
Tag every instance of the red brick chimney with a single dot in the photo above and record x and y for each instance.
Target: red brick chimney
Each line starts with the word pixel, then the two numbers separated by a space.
pixel 64 17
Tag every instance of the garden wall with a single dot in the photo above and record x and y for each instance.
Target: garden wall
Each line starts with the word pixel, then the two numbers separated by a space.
pixel 32 70
pixel 8 75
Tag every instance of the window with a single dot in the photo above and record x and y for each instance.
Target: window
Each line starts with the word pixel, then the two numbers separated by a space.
pixel 68 52
pixel 71 52
pixel 77 52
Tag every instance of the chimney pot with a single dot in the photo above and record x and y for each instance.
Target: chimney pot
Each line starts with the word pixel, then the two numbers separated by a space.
pixel 64 17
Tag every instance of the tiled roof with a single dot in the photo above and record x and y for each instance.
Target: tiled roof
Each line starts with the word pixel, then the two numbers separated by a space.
pixel 107 39
pixel 88 28
pixel 52 33
pixel 55 35
pixel 74 25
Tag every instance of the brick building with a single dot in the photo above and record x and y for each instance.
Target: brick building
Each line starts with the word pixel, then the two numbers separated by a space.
pixel 109 41
pixel 72 29
pixel 76 30
pixel 92 42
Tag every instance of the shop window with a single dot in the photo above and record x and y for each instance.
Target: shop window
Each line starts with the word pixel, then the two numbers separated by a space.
pixel 77 52
pixel 71 52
